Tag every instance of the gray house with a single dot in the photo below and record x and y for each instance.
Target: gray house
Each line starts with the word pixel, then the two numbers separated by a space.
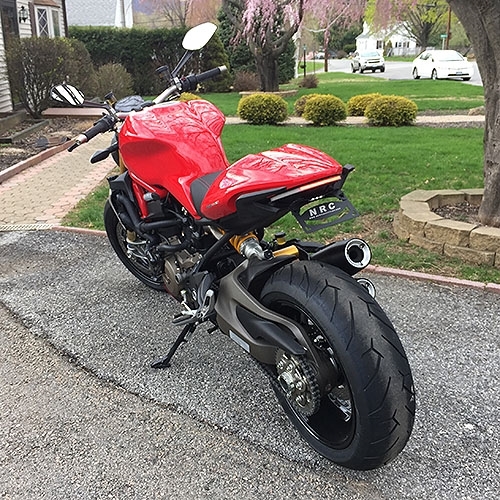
pixel 27 18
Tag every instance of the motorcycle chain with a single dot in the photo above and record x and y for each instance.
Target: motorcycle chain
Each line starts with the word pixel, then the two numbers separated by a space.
pixel 312 384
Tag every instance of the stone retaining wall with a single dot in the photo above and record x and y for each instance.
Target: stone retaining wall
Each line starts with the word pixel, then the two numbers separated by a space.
pixel 415 222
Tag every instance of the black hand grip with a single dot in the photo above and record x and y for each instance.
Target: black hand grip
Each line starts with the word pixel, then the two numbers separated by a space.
pixel 190 82
pixel 107 122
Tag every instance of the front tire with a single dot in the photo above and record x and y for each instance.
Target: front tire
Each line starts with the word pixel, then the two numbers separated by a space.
pixel 434 75
pixel 137 261
pixel 415 74
pixel 364 419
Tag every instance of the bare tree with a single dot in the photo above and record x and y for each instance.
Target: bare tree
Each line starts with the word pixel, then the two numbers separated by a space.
pixel 176 12
pixel 424 20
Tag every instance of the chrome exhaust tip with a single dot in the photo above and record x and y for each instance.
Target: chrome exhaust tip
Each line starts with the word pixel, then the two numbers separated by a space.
pixel 357 253
pixel 368 285
pixel 351 255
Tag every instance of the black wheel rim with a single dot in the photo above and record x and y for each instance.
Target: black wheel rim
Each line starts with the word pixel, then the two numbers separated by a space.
pixel 331 424
pixel 141 271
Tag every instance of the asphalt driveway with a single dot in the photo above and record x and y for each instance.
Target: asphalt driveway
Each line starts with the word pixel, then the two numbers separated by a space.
pixel 84 416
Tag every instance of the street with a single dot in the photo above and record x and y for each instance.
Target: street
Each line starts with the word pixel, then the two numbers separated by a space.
pixel 393 70
pixel 83 414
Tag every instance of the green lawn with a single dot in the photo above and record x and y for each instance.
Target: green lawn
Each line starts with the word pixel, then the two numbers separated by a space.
pixel 390 162
pixel 429 95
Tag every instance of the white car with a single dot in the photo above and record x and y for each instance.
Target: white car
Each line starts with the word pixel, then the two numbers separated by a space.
pixel 437 64
pixel 367 60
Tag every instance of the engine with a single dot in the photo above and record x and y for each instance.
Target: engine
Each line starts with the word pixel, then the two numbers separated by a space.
pixel 176 269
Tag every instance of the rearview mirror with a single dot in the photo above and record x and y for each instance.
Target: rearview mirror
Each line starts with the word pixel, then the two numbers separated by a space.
pixel 67 94
pixel 197 37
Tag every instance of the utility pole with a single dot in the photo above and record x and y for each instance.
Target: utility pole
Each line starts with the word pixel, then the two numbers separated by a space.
pixel 448 29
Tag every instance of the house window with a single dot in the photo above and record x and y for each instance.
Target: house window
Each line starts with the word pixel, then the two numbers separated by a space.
pixel 47 18
pixel 42 20
pixel 380 44
pixel 55 23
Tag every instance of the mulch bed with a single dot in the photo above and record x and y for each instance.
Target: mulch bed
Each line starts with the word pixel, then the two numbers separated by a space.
pixel 56 131
pixel 464 212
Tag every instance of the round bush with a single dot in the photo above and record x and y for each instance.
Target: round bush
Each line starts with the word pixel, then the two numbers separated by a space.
pixel 300 103
pixel 114 77
pixel 262 108
pixel 357 104
pixel 391 111
pixel 325 110
pixel 188 96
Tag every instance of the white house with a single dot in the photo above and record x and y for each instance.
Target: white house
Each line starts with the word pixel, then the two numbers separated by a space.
pixel 117 13
pixel 26 18
pixel 401 44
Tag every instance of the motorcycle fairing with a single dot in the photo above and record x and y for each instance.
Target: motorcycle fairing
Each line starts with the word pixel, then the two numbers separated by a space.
pixel 170 145
pixel 287 167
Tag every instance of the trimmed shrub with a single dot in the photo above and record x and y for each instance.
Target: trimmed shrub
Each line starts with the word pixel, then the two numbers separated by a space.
pixel 263 108
pixel 188 96
pixel 325 110
pixel 357 104
pixel 113 77
pixel 246 80
pixel 391 111
pixel 309 82
pixel 140 51
pixel 35 65
pixel 300 103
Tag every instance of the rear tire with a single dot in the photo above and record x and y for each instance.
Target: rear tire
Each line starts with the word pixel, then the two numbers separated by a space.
pixel 117 236
pixel 365 420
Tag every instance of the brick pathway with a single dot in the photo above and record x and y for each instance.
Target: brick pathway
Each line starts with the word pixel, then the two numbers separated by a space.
pixel 43 194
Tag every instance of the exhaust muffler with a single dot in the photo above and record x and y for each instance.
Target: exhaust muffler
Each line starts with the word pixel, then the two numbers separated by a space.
pixel 349 255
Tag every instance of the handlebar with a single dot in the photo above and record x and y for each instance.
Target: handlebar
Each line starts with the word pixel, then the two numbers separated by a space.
pixel 107 122
pixel 189 83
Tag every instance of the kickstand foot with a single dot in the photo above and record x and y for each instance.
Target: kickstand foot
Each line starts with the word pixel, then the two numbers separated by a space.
pixel 181 339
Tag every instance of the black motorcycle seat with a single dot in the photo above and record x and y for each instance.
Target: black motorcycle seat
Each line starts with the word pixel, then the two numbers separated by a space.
pixel 200 187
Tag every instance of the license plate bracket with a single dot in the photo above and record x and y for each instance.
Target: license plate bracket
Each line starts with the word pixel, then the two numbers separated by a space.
pixel 320 214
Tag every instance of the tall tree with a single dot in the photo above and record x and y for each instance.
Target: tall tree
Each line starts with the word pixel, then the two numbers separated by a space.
pixel 424 20
pixel 420 19
pixel 268 25
pixel 481 20
pixel 176 12
pixel 336 13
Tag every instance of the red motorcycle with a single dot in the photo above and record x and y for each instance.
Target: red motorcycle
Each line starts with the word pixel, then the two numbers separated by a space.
pixel 182 219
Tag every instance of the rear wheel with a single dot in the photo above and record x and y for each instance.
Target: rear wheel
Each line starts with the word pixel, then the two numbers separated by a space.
pixel 135 255
pixel 356 404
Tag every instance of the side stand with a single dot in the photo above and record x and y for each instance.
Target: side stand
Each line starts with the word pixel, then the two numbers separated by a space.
pixel 181 339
